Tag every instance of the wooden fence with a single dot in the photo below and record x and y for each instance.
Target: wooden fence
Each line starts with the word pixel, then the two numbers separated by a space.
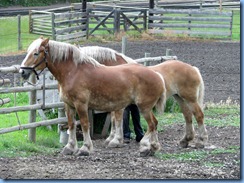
pixel 68 25
pixel 112 21
pixel 191 22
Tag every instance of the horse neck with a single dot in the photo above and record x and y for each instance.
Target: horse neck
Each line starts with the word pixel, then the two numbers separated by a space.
pixel 60 69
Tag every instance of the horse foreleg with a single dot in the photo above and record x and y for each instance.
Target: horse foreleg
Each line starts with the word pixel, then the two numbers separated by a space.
pixel 117 140
pixel 112 131
pixel 71 146
pixel 87 146
pixel 189 128
pixel 149 144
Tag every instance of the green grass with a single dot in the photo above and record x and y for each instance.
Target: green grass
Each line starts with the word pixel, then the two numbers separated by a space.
pixel 200 156
pixel 9 32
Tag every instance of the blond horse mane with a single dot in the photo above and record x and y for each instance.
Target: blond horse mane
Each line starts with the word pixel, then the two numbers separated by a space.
pixel 60 51
pixel 103 54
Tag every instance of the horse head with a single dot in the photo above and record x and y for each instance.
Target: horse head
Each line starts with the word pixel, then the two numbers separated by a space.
pixel 36 58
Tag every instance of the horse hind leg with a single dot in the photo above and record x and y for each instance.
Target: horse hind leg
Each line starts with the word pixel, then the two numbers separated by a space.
pixel 117 140
pixel 199 116
pixel 149 144
pixel 113 130
pixel 189 129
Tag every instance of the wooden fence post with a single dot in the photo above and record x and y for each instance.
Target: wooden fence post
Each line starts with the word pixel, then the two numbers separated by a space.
pixel 53 26
pixel 30 22
pixel 19 33
pixel 151 6
pixel 116 21
pixel 32 113
pixel 124 43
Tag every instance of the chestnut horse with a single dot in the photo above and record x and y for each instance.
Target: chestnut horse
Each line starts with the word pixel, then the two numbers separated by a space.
pixel 86 84
pixel 183 81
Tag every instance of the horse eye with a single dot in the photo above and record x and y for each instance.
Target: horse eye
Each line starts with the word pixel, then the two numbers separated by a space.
pixel 36 55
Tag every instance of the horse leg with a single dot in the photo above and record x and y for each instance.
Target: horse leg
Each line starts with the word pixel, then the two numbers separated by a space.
pixel 71 146
pixel 189 128
pixel 112 131
pixel 117 141
pixel 149 144
pixel 199 116
pixel 87 146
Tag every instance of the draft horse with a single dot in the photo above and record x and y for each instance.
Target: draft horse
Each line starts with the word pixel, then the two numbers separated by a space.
pixel 86 84
pixel 183 81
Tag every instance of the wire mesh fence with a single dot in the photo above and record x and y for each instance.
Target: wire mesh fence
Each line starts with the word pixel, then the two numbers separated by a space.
pixel 14 34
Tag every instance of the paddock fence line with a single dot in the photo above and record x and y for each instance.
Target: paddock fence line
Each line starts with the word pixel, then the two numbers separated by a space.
pixel 191 22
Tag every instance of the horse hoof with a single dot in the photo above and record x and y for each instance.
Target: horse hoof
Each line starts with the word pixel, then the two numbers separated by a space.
pixel 199 145
pixel 184 144
pixel 115 145
pixel 82 153
pixel 67 151
pixel 146 153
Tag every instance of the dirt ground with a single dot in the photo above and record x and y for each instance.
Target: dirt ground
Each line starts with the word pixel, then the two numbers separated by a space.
pixel 219 63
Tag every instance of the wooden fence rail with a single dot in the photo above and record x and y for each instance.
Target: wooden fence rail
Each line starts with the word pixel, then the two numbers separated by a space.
pixel 191 22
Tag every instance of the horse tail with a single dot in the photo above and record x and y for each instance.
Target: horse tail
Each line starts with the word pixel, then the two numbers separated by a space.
pixel 200 94
pixel 162 100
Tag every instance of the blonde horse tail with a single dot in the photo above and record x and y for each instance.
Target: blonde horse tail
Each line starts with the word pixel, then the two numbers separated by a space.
pixel 200 89
pixel 162 100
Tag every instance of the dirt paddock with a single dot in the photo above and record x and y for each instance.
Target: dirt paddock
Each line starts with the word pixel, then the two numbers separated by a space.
pixel 219 63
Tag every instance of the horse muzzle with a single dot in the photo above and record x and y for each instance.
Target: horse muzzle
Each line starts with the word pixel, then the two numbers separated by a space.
pixel 25 73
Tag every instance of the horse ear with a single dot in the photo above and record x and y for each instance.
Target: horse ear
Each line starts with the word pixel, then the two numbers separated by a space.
pixel 45 42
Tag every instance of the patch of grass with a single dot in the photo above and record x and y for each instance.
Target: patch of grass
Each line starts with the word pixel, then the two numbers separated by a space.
pixel 218 115
pixel 200 156
pixel 186 156
pixel 17 143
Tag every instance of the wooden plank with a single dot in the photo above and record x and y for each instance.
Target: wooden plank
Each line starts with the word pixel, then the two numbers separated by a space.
pixel 46 31
pixel 41 33
pixel 4 101
pixel 12 69
pixel 70 29
pixel 67 22
pixel 197 12
pixel 28 88
pixel 71 36
pixel 210 19
pixel 160 25
pixel 4 81
pixel 217 33
pixel 34 125
pixel 30 107
pixel 70 15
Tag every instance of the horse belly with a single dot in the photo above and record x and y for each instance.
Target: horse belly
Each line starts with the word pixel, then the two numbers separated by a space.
pixel 105 104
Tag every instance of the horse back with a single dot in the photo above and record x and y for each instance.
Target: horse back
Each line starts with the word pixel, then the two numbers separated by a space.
pixel 180 78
